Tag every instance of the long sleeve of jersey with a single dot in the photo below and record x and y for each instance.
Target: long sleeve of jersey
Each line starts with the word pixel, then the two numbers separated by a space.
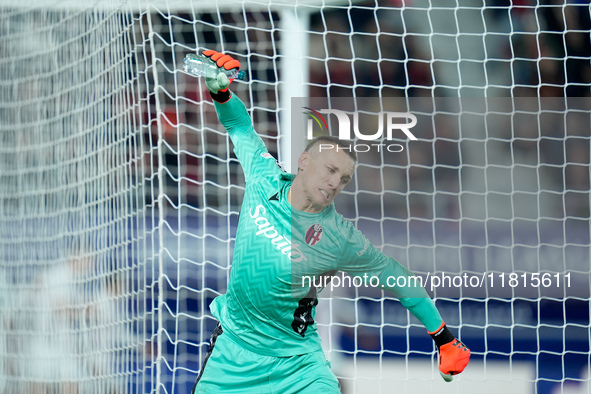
pixel 361 258
pixel 248 145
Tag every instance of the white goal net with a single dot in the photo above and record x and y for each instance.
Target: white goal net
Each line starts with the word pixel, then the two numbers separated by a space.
pixel 120 193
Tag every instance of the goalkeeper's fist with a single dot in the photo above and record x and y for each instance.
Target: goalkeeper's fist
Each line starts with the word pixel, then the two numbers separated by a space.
pixel 453 355
pixel 226 62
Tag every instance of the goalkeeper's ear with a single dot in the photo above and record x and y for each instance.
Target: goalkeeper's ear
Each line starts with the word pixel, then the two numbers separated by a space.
pixel 453 355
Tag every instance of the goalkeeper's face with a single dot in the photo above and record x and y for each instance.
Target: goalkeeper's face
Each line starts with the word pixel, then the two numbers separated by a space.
pixel 324 173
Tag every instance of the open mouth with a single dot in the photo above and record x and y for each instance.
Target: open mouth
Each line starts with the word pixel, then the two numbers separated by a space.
pixel 324 193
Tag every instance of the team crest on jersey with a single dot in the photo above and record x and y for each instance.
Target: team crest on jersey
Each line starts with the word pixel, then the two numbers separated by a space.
pixel 314 234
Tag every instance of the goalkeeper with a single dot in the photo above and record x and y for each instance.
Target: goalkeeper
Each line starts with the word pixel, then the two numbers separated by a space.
pixel 266 340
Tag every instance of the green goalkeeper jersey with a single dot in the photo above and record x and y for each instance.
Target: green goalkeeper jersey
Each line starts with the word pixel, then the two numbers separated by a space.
pixel 269 306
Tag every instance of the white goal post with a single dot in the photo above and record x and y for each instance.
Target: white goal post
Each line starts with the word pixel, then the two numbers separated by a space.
pixel 120 193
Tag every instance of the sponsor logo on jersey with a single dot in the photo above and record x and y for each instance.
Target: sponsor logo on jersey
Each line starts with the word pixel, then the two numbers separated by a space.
pixel 267 155
pixel 314 234
pixel 281 242
pixel 365 247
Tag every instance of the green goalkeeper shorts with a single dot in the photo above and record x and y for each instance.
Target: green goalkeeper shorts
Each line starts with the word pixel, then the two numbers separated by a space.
pixel 228 368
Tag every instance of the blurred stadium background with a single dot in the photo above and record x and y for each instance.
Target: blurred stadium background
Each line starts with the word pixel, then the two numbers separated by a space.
pixel 119 191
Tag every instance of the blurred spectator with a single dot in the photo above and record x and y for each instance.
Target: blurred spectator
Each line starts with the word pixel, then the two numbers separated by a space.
pixel 54 352
pixel 113 344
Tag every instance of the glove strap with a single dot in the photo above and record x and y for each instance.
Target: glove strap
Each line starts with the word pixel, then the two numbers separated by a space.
pixel 442 336
pixel 221 96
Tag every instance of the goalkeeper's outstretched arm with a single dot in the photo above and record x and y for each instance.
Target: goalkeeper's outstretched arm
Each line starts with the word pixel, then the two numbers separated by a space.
pixel 248 145
pixel 453 355
pixel 361 258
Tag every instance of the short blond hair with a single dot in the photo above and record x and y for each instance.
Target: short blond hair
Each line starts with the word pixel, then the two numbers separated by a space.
pixel 344 144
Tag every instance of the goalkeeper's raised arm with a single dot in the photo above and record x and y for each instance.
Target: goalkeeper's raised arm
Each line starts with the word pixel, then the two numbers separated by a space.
pixel 267 339
pixel 248 146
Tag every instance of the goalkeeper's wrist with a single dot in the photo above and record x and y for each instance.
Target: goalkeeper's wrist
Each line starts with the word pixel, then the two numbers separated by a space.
pixel 442 336
pixel 221 96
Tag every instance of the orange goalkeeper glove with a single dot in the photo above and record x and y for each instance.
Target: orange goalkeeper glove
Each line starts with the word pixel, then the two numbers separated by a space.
pixel 453 355
pixel 227 62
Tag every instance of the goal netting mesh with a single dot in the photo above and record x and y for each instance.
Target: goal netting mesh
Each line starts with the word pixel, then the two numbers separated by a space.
pixel 120 193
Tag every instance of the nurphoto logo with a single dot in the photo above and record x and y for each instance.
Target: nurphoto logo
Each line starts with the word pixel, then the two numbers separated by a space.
pixel 396 125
